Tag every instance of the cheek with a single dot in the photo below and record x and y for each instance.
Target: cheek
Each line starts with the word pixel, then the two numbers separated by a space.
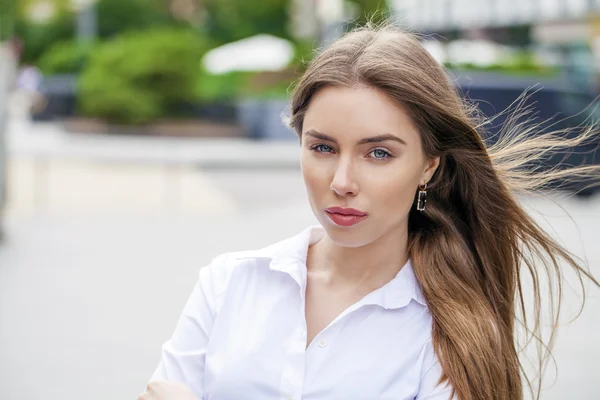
pixel 314 174
pixel 395 192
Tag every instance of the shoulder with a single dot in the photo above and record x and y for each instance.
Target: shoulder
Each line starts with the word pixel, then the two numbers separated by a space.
pixel 225 267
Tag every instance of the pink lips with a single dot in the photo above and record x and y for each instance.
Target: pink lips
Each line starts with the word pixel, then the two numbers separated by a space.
pixel 345 216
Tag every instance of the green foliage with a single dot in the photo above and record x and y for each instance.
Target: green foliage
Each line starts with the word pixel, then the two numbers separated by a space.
pixel 8 15
pixel 113 17
pixel 139 77
pixel 231 20
pixel 305 51
pixel 233 86
pixel 278 90
pixel 24 6
pixel 66 57
pixel 119 16
pixel 520 64
pixel 375 11
pixel 37 38
pixel 221 87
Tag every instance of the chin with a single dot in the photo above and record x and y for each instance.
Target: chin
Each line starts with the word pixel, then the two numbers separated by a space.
pixel 352 236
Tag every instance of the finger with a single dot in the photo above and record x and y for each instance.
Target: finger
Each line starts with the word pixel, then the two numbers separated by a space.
pixel 153 386
pixel 144 396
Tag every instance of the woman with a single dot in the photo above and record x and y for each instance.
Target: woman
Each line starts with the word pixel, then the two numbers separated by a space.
pixel 410 287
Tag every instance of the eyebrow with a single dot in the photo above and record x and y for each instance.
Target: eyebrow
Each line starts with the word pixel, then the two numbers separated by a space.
pixel 373 139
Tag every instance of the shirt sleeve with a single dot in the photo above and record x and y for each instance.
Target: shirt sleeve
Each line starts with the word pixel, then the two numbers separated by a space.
pixel 429 389
pixel 183 355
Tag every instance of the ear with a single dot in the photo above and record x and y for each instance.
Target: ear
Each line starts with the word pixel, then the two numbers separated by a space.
pixel 431 166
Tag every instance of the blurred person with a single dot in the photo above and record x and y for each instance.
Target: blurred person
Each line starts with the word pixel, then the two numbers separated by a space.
pixel 411 286
pixel 29 78
pixel 26 97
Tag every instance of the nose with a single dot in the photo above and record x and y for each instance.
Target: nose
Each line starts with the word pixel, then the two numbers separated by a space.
pixel 344 180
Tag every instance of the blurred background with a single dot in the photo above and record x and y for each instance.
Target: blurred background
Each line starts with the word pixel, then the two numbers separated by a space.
pixel 141 138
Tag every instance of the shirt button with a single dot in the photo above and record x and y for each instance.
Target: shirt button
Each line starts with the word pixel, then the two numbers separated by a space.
pixel 322 343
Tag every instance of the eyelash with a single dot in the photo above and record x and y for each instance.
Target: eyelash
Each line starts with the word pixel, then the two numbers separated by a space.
pixel 317 146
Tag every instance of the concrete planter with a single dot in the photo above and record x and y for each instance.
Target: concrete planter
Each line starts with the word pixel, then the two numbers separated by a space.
pixel 217 112
pixel 173 128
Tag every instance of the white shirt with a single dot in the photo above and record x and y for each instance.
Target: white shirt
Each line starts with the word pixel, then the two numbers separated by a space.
pixel 242 335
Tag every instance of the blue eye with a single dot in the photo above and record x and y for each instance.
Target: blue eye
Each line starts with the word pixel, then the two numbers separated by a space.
pixel 380 154
pixel 322 148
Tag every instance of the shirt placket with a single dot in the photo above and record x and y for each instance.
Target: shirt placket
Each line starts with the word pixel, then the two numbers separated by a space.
pixel 293 373
pixel 319 349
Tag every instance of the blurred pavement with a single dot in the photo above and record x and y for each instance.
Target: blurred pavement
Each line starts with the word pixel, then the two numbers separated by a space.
pixel 52 171
pixel 51 140
pixel 101 253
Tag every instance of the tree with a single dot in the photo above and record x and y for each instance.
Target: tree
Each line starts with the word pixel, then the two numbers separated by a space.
pixel 37 37
pixel 26 7
pixel 117 16
pixel 371 10
pixel 8 14
pixel 231 20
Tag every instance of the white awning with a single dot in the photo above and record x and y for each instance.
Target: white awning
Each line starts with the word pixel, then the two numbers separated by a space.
pixel 257 53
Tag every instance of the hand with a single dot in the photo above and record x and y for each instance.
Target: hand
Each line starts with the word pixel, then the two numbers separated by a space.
pixel 161 390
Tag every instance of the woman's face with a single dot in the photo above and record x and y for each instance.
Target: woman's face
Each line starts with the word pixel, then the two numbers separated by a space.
pixel 361 151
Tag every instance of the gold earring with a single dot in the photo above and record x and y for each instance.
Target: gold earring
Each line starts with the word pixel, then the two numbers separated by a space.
pixel 422 197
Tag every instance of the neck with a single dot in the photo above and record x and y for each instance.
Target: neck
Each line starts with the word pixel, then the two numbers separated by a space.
pixel 371 265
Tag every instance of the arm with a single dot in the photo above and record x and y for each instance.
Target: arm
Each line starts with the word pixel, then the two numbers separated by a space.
pixel 430 376
pixel 184 354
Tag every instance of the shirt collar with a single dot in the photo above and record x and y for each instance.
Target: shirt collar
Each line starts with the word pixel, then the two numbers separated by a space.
pixel 290 255
pixel 403 288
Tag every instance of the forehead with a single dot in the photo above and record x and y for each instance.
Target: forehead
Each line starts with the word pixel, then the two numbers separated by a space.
pixel 357 112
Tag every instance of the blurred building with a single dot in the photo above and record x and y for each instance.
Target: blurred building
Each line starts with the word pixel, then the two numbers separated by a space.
pixel 566 30
pixel 445 15
pixel 544 21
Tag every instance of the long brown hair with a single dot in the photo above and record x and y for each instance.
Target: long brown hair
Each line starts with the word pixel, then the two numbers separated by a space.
pixel 474 246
